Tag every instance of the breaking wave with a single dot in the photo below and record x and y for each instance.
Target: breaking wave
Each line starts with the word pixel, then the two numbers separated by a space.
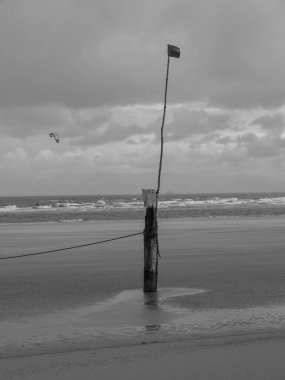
pixel 86 208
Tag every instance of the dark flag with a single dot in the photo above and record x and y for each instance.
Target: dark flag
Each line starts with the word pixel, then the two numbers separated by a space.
pixel 173 51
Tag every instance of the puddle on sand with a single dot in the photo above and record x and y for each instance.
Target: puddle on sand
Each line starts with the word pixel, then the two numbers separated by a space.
pixel 134 308
pixel 132 315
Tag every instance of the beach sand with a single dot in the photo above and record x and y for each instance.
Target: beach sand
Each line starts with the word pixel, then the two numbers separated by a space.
pixel 219 312
pixel 254 360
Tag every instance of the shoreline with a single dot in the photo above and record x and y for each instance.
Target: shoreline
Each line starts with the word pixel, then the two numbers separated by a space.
pixel 131 224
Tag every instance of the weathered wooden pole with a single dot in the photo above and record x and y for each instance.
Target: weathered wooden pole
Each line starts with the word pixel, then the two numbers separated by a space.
pixel 172 51
pixel 161 130
pixel 150 198
pixel 150 241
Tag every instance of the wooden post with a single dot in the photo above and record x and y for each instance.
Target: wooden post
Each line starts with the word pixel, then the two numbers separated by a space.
pixel 161 130
pixel 150 198
pixel 150 241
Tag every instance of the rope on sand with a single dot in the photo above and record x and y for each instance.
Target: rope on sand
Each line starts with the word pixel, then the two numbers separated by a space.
pixel 67 248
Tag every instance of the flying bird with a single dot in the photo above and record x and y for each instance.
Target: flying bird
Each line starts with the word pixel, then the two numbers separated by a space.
pixel 55 135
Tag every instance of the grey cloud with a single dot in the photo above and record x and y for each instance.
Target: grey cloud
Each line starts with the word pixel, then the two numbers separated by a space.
pixel 138 140
pixel 264 148
pixel 225 140
pixel 189 122
pixel 86 53
pixel 238 59
pixel 273 125
pixel 247 138
pixel 114 132
pixel 186 123
pixel 219 122
pixel 25 121
pixel 268 146
pixel 78 53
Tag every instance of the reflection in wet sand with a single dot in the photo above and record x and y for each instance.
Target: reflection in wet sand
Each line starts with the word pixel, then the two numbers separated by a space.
pixel 133 308
pixel 132 316
pixel 149 329
pixel 133 313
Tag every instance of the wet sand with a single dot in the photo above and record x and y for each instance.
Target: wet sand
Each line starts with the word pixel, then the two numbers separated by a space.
pixel 254 360
pixel 219 312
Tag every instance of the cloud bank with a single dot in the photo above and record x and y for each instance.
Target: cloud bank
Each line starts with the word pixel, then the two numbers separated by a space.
pixel 95 71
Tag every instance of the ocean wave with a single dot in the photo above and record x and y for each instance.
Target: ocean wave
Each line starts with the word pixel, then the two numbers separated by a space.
pixel 8 208
pixel 93 208
pixel 70 220
pixel 134 203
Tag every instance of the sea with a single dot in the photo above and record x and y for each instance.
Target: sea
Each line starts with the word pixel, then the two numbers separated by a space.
pixel 86 208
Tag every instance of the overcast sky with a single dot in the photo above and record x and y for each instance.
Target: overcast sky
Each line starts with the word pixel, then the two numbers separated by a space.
pixel 94 72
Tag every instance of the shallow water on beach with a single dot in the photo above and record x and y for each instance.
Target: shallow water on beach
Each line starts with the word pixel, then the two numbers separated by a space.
pixel 133 317
pixel 133 312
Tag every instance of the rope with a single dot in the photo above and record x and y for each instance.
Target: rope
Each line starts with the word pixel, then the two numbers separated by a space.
pixel 152 232
pixel 67 248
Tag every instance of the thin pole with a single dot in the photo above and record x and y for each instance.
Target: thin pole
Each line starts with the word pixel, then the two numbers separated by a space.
pixel 161 131
pixel 150 197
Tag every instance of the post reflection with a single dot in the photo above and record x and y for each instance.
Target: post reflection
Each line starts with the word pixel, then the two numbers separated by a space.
pixel 152 311
pixel 151 299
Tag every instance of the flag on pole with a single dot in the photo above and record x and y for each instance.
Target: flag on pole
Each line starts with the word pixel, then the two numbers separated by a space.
pixel 173 51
